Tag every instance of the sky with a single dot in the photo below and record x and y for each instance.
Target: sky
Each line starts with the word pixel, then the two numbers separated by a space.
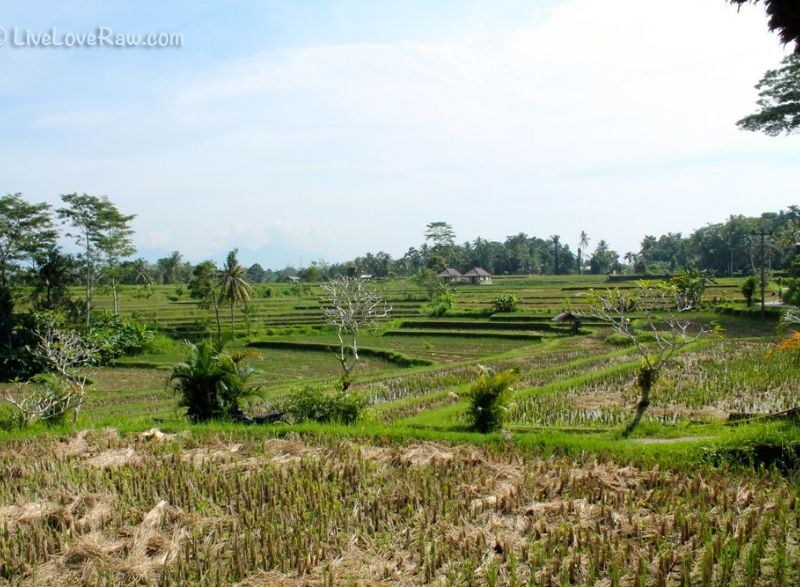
pixel 298 130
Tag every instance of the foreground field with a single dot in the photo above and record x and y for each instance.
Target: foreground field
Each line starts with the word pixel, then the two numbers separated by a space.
pixel 408 495
pixel 96 508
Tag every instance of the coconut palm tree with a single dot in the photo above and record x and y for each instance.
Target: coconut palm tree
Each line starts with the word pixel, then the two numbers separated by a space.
pixel 233 285
pixel 555 240
pixel 141 272
pixel 583 242
pixel 169 267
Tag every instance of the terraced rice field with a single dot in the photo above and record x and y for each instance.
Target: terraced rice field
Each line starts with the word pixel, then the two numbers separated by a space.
pixel 379 503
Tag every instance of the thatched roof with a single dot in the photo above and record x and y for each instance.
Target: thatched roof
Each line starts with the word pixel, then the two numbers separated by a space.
pixel 449 272
pixel 784 18
pixel 477 272
pixel 565 317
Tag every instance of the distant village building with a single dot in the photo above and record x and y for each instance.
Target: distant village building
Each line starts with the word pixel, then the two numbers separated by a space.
pixel 292 279
pixel 450 274
pixel 478 276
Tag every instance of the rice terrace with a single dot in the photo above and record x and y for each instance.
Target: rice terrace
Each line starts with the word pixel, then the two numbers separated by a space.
pixel 407 494
pixel 296 326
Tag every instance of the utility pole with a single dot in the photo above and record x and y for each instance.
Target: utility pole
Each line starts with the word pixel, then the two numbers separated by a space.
pixel 763 262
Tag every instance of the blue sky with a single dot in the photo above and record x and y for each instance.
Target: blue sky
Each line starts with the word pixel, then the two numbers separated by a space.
pixel 296 129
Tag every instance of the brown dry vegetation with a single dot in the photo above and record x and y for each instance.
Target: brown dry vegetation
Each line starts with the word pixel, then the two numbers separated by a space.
pixel 159 508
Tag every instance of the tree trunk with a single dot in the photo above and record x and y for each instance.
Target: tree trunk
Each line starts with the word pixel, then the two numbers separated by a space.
pixel 641 408
pixel 219 323
pixel 347 375
pixel 232 326
pixel 88 300
pixel 115 293
pixel 89 278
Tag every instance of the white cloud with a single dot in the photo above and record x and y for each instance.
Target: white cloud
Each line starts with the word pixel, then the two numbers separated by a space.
pixel 616 116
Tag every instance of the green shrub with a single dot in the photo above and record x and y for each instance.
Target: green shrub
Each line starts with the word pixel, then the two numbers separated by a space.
pixel 160 344
pixel 313 403
pixel 10 418
pixel 690 286
pixel 489 399
pixel 116 337
pixel 212 384
pixel 749 286
pixel 790 291
pixel 440 305
pixel 505 303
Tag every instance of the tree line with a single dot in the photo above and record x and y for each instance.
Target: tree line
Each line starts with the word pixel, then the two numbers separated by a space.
pixel 31 256
pixel 728 248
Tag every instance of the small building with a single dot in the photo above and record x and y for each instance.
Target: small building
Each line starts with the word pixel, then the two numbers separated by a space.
pixel 450 274
pixel 573 319
pixel 478 276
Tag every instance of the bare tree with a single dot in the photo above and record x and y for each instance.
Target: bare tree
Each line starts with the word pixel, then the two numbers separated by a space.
pixel 48 400
pixel 349 305
pixel 66 354
pixel 662 308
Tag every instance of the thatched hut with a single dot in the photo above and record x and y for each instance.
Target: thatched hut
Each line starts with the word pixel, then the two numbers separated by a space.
pixel 478 276
pixel 573 319
pixel 450 275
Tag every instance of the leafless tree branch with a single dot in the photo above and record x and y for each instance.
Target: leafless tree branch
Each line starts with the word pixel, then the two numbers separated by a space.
pixel 348 306
pixel 67 354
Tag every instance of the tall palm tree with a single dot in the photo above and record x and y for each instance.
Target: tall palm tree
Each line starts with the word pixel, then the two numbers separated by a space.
pixel 556 241
pixel 233 285
pixel 141 272
pixel 170 265
pixel 583 242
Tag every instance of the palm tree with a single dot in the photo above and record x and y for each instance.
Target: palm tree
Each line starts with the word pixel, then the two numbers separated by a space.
pixel 556 241
pixel 141 272
pixel 233 285
pixel 583 242
pixel 632 259
pixel 211 383
pixel 170 266
pixel 646 249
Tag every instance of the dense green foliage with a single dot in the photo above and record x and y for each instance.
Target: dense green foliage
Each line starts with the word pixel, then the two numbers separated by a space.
pixel 26 234
pixel 489 398
pixel 779 100
pixel 441 304
pixel 748 289
pixel 690 286
pixel 117 337
pixel 105 237
pixel 311 402
pixel 505 303
pixel 212 384
pixel 790 291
